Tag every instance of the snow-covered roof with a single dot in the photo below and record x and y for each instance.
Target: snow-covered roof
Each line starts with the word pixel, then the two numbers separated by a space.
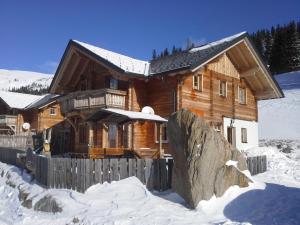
pixel 42 102
pixel 126 63
pixel 26 101
pixel 18 100
pixel 125 115
pixel 221 41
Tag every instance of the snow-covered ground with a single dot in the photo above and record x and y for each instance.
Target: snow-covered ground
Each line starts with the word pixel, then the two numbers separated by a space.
pixel 15 79
pixel 280 118
pixel 273 198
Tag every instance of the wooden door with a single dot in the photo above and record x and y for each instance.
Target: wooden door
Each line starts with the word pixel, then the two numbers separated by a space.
pixel 231 136
pixel 112 135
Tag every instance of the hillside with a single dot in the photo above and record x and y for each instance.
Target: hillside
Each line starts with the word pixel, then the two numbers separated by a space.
pixel 15 79
pixel 280 118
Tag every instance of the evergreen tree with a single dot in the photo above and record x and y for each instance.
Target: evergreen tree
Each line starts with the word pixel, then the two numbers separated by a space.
pixel 292 47
pixel 166 52
pixel 268 46
pixel 154 55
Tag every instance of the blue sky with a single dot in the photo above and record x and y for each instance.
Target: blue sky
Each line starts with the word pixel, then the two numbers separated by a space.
pixel 34 34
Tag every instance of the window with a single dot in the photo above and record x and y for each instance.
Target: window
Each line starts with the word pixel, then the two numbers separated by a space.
pixel 113 83
pixel 242 95
pixel 82 134
pixel 223 88
pixel 244 135
pixel 164 133
pixel 52 111
pixel 197 82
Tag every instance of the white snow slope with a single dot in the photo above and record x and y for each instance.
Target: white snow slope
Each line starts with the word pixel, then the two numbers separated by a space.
pixel 15 78
pixel 280 118
pixel 273 198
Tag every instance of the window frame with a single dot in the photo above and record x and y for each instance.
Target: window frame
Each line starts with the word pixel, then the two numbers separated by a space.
pixel 164 141
pixel 199 86
pixel 113 83
pixel 244 135
pixel 223 94
pixel 51 113
pixel 245 95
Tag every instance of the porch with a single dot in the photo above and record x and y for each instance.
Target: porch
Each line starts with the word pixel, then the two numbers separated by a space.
pixel 8 124
pixel 117 133
pixel 93 99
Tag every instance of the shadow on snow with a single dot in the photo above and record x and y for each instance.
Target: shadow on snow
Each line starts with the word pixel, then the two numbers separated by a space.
pixel 276 204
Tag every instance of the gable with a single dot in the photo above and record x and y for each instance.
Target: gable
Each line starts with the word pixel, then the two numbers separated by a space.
pixel 224 66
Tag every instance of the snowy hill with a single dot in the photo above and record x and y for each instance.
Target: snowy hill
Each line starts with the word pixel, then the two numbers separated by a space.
pixel 280 118
pixel 15 79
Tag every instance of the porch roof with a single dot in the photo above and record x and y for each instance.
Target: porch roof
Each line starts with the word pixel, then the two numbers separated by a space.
pixel 123 116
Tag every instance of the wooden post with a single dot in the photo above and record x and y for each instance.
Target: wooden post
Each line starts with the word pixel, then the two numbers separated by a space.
pixel 161 151
pixel 132 135
pixel 91 134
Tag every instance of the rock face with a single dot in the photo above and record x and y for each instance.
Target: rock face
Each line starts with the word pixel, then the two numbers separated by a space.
pixel 200 156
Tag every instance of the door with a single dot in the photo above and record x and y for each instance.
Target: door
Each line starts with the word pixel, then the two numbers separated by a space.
pixel 231 136
pixel 112 135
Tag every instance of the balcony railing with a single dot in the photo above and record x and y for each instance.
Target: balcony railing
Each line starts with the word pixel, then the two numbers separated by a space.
pixel 8 120
pixel 81 100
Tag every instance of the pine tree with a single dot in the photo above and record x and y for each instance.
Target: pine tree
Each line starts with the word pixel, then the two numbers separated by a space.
pixel 292 47
pixel 166 52
pixel 154 55
pixel 174 50
pixel 278 53
pixel 268 46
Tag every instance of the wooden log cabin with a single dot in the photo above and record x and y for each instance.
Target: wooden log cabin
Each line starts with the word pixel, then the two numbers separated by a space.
pixel 16 109
pixel 118 105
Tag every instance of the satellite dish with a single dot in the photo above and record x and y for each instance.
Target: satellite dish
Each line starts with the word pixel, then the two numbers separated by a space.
pixel 148 110
pixel 26 126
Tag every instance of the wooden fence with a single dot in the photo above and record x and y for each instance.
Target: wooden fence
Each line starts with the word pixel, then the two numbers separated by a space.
pixel 257 164
pixel 16 141
pixel 80 174
pixel 9 155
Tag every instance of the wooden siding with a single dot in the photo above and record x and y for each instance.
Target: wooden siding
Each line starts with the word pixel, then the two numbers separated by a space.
pixel 166 94
pixel 209 101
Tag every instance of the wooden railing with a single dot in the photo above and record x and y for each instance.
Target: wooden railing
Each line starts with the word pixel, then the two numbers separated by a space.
pixel 8 120
pixel 81 100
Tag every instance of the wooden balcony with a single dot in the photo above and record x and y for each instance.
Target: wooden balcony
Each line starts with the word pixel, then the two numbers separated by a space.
pixel 8 120
pixel 82 100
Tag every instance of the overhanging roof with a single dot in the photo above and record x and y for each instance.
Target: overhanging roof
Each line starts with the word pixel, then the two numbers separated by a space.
pixel 239 48
pixel 123 116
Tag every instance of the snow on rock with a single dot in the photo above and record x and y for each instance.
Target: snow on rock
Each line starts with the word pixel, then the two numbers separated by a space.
pixel 231 163
pixel 15 79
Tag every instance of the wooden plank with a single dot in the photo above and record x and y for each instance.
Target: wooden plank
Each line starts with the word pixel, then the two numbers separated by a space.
pixel 98 171
pixel 132 167
pixel 163 175
pixel 124 173
pixel 140 170
pixel 114 170
pixel 74 173
pixel 78 175
pixel 170 172
pixel 149 173
pixel 68 173
pixel 106 176
pixel 156 175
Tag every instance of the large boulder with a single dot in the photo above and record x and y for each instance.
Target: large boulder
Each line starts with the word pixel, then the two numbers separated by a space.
pixel 205 164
